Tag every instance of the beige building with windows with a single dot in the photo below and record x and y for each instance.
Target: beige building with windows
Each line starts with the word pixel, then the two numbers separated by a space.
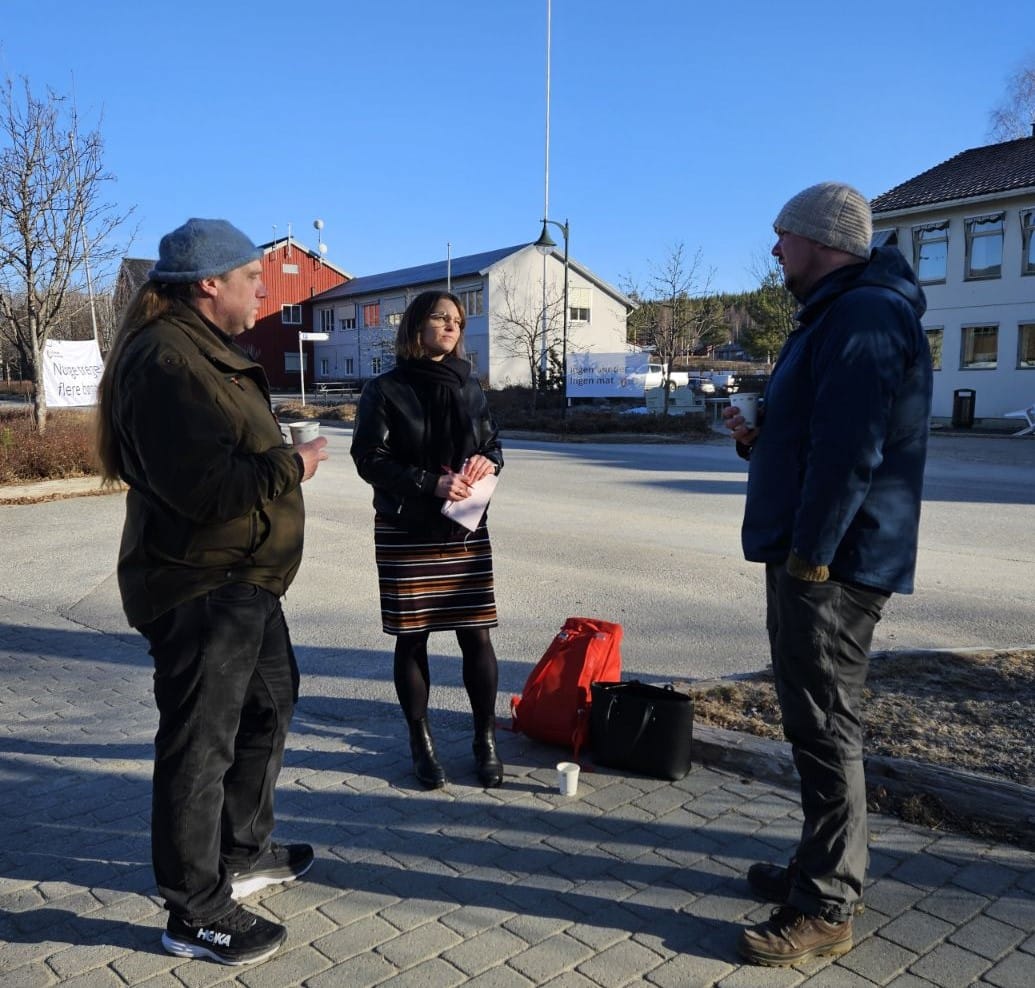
pixel 967 226
pixel 513 300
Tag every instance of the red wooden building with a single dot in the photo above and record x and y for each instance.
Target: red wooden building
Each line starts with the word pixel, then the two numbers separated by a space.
pixel 293 274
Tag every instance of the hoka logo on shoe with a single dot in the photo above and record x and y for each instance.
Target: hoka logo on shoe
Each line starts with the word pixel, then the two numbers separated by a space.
pixel 214 936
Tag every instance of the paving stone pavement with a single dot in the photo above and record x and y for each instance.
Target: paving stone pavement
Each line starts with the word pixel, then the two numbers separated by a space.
pixel 634 881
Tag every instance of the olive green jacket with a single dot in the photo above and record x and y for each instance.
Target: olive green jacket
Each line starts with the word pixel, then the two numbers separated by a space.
pixel 215 496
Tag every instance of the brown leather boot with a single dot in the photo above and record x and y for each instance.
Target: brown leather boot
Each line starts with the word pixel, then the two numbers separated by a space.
pixel 790 936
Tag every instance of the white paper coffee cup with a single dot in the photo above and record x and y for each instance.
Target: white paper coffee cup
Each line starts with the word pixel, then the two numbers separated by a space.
pixel 567 778
pixel 304 432
pixel 747 405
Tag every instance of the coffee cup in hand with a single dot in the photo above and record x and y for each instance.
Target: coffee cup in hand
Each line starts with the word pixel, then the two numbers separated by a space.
pixel 747 405
pixel 303 432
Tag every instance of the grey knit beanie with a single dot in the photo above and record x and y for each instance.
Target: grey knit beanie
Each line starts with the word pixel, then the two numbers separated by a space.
pixel 830 213
pixel 202 249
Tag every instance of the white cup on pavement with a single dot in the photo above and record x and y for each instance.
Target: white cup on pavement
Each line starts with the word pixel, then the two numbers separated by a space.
pixel 747 405
pixel 304 432
pixel 567 778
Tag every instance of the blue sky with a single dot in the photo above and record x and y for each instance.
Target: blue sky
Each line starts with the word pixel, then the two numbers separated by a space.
pixel 411 124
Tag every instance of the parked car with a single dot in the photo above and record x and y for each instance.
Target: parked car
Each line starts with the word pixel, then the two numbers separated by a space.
pixel 702 384
pixel 656 374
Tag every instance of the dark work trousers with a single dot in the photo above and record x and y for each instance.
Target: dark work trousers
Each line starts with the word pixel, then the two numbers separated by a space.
pixel 226 684
pixel 820 635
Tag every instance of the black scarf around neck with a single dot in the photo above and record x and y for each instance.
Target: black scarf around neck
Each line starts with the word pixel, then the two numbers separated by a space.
pixel 438 385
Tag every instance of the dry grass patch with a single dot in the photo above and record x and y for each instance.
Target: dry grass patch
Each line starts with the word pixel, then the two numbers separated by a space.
pixel 65 450
pixel 295 411
pixel 970 711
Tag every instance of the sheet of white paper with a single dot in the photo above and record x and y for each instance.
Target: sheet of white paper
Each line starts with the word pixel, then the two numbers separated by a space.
pixel 469 511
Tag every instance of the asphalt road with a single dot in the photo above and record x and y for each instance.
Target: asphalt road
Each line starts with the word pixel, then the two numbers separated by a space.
pixel 643 534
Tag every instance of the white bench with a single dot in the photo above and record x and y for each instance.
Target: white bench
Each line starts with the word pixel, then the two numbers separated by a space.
pixel 1028 414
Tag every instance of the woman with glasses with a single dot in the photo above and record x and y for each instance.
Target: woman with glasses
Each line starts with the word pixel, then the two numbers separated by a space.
pixel 424 436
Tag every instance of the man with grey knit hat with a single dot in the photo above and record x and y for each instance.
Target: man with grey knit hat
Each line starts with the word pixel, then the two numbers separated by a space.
pixel 835 476
pixel 212 540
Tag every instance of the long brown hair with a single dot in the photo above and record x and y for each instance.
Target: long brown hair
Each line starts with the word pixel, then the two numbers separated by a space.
pixel 407 339
pixel 153 300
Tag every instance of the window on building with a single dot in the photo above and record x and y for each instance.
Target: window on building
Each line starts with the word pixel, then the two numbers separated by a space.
pixel 980 348
pixel 931 251
pixel 375 365
pixel 291 361
pixel 934 341
pixel 289 268
pixel 985 246
pixel 472 359
pixel 473 301
pixel 1026 345
pixel 393 311
pixel 578 303
pixel 291 315
pixel 325 367
pixel 1028 242
pixel 350 365
pixel 327 320
pixel 371 315
pixel 346 316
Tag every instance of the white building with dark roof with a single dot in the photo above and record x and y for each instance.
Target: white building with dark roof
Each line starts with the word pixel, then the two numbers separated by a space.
pixel 505 293
pixel 967 226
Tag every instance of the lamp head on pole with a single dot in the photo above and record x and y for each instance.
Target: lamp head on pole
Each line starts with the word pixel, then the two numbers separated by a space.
pixel 545 243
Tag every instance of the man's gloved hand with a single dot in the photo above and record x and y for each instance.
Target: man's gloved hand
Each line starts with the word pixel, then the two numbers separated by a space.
pixel 801 570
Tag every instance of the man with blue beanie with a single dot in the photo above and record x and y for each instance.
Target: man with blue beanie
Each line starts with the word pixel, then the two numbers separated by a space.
pixel 211 542
pixel 833 508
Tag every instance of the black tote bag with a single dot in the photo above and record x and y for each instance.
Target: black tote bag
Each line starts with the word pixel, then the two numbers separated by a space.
pixel 642 728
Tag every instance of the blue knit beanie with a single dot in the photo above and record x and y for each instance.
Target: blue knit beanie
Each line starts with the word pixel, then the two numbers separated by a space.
pixel 202 249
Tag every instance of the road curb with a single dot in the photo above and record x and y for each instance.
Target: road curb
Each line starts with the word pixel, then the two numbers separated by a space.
pixel 56 490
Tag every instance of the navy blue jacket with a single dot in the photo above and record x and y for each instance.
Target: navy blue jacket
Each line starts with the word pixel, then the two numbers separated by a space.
pixel 836 471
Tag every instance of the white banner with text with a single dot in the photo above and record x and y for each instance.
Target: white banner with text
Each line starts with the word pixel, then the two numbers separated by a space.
pixel 607 375
pixel 71 372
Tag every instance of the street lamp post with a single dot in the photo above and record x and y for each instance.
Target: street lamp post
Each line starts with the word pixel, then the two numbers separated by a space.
pixel 545 244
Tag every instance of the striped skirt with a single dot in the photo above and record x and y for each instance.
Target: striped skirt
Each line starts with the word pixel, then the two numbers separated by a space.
pixel 435 585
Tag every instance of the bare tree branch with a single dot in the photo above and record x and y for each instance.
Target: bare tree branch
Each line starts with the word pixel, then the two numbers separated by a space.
pixel 54 221
pixel 678 312
pixel 1015 116
pixel 522 331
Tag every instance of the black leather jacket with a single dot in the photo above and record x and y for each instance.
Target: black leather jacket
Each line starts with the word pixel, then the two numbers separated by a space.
pixel 387 441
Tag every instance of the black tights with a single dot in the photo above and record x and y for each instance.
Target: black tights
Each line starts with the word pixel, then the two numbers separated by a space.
pixel 413 678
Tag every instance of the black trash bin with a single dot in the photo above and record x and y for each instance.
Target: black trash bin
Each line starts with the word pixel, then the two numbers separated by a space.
pixel 963 408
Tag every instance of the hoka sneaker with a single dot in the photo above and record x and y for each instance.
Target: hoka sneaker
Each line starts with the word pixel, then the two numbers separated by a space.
pixel 239 937
pixel 790 936
pixel 278 863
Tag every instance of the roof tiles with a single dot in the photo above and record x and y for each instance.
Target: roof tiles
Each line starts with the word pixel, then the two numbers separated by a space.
pixel 980 171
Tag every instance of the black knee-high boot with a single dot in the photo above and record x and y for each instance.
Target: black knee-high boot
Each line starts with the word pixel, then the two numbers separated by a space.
pixel 426 765
pixel 486 759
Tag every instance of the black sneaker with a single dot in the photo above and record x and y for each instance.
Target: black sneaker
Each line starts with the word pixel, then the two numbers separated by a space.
pixel 239 937
pixel 278 863
pixel 773 883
